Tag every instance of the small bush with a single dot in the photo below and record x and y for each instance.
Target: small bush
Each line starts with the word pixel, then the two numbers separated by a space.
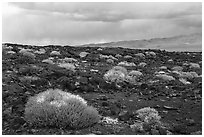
pixel 189 75
pixel 117 74
pixel 194 66
pixel 55 53
pixel 133 76
pixel 165 77
pixel 59 109
pixel 120 68
pixel 148 115
pixel 83 54
pixel 125 63
pixel 68 66
pixel 49 61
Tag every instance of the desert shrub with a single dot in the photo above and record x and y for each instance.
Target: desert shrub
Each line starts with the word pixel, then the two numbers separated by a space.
pixel 127 57
pixel 114 76
pixel 55 53
pixel 49 61
pixel 142 64
pixel 25 60
pixel 60 109
pixel 28 78
pixel 140 55
pixel 184 81
pixel 165 77
pixel 68 60
pixel 148 115
pixel 29 54
pixel 125 63
pixel 118 56
pixel 163 68
pixel 107 57
pixel 120 68
pixel 40 51
pixel 24 50
pixel 110 61
pixel 150 53
pixel 194 66
pixel 83 54
pixel 148 120
pixel 188 75
pixel 68 66
pixel 177 68
pixel 133 76
pixel 117 74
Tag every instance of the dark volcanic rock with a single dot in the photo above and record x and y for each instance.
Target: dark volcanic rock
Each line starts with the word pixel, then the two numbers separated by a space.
pixel 180 129
pixel 66 83
pixel 124 115
pixel 179 105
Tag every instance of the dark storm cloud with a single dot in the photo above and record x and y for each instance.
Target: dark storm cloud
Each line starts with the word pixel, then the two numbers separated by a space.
pixel 80 23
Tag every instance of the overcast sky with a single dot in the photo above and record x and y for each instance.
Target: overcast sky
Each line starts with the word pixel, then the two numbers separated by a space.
pixel 82 23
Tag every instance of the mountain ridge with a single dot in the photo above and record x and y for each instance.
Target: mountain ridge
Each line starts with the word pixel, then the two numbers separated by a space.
pixel 192 42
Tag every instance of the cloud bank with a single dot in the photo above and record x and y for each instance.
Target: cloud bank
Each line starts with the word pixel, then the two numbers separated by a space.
pixel 82 23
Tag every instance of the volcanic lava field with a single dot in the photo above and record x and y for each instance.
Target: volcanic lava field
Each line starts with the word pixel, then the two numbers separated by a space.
pixel 169 82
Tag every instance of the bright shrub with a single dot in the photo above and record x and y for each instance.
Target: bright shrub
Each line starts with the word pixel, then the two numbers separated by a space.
pixel 117 74
pixel 60 109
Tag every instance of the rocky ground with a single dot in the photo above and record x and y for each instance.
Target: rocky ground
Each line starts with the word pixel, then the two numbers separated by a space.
pixel 173 91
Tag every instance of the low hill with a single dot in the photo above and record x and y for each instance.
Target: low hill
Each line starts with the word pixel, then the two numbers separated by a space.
pixel 191 42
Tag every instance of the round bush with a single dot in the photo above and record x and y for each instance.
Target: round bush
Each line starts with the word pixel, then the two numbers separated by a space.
pixel 120 68
pixel 148 115
pixel 133 76
pixel 59 109
pixel 116 74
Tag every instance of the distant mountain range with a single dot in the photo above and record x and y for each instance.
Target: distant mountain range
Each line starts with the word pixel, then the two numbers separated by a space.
pixel 192 42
